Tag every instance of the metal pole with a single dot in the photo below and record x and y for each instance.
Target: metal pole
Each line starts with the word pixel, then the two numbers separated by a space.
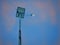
pixel 20 14
pixel 19 31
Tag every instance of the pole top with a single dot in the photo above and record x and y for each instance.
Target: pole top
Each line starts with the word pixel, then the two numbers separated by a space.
pixel 20 12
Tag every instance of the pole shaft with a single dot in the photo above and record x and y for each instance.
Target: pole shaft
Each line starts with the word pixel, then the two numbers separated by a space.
pixel 20 31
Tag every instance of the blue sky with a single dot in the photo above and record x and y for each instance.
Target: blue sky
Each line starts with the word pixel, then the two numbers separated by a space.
pixel 42 29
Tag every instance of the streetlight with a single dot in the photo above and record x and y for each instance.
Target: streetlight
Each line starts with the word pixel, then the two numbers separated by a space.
pixel 20 14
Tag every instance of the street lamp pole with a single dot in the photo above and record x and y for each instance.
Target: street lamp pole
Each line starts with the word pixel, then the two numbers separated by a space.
pixel 19 31
pixel 20 14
